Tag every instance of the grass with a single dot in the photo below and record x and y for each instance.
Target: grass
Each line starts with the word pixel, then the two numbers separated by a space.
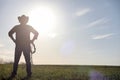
pixel 64 72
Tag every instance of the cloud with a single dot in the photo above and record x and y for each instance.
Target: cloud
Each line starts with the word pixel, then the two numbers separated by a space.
pixel 82 12
pixel 6 54
pixel 102 36
pixel 1 45
pixel 98 22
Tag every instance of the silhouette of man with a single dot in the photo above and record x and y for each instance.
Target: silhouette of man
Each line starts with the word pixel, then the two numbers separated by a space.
pixel 22 41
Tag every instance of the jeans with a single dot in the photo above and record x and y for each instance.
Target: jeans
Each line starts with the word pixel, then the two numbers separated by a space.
pixel 26 53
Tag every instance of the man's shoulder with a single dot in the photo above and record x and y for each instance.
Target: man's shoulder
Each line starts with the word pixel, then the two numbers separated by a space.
pixel 29 27
pixel 16 26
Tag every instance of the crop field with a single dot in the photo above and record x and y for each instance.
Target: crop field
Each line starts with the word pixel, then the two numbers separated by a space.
pixel 63 72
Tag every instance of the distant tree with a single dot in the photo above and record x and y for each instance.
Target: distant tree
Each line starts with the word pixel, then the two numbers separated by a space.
pixel 22 63
pixel 8 62
pixel 1 61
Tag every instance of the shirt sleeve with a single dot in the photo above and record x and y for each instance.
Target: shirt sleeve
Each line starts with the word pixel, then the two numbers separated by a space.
pixel 34 32
pixel 12 31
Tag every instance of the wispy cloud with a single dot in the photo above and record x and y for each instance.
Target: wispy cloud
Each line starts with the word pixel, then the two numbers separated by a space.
pixel 102 36
pixel 4 54
pixel 82 12
pixel 98 22
pixel 1 45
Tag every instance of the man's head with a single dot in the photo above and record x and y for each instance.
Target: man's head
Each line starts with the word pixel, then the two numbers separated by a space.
pixel 23 19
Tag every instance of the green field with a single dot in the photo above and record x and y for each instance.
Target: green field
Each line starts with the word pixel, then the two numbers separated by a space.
pixel 64 72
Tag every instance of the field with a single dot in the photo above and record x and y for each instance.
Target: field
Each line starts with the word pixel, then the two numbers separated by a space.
pixel 63 72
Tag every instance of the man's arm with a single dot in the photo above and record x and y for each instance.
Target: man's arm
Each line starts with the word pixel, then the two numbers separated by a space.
pixel 10 33
pixel 35 34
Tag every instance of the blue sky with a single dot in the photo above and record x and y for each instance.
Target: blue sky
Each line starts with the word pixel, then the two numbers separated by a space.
pixel 87 31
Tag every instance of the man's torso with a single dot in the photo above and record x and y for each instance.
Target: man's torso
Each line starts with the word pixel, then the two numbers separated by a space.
pixel 22 35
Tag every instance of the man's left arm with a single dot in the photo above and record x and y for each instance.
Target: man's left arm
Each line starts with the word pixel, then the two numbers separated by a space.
pixel 35 34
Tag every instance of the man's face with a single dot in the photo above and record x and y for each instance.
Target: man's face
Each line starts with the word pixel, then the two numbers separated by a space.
pixel 23 20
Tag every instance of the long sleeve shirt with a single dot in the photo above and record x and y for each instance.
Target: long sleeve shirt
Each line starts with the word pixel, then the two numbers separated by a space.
pixel 22 34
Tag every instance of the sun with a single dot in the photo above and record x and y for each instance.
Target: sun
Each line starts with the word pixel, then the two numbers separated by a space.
pixel 43 19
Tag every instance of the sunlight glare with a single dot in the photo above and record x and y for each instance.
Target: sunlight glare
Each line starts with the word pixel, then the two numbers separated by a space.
pixel 43 19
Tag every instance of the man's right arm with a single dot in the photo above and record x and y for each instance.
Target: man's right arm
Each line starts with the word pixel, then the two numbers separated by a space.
pixel 10 33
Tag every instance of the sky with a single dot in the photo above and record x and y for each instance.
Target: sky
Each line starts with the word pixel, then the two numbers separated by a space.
pixel 75 32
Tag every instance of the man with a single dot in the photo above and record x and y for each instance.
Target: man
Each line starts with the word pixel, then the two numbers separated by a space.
pixel 22 41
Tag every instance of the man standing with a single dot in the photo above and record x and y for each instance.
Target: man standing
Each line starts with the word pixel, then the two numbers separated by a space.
pixel 22 41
